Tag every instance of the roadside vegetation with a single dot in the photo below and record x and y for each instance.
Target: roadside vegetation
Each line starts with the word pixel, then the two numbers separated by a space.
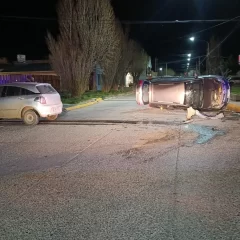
pixel 235 90
pixel 89 95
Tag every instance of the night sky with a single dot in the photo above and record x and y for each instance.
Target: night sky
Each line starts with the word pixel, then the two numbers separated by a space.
pixel 165 41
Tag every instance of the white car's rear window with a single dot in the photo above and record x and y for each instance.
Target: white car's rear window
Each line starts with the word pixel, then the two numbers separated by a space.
pixel 45 89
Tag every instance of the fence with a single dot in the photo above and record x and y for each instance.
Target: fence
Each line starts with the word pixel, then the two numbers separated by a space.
pixel 41 77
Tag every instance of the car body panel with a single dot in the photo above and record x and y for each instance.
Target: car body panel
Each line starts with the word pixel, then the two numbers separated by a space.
pixel 221 87
pixel 167 93
pixel 142 92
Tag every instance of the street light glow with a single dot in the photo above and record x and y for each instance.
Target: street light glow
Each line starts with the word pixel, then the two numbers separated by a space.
pixel 189 59
pixel 192 39
pixel 189 55
pixel 160 69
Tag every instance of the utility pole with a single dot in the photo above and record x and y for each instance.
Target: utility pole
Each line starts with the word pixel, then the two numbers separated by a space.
pixel 208 60
pixel 199 66
pixel 156 64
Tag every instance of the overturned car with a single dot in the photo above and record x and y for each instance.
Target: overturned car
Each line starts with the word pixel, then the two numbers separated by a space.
pixel 204 93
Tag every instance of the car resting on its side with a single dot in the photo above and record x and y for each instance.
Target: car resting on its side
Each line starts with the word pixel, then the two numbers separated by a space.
pixel 205 93
pixel 29 101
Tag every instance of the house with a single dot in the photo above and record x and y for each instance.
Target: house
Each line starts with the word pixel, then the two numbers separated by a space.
pixel 41 71
pixel 95 82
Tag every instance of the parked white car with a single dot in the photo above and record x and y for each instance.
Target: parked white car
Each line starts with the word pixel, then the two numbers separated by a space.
pixel 29 101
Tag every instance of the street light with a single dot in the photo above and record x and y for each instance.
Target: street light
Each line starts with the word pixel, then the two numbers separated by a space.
pixel 189 55
pixel 160 69
pixel 208 50
pixel 189 59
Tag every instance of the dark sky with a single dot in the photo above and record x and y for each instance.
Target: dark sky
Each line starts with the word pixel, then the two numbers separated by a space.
pixel 165 41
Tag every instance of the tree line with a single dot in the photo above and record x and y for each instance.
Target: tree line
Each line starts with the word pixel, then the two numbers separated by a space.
pixel 90 34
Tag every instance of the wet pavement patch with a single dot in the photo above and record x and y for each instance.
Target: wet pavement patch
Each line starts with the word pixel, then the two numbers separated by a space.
pixel 205 133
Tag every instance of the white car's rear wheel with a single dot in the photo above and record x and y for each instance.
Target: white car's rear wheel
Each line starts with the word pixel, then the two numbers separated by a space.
pixel 52 118
pixel 30 118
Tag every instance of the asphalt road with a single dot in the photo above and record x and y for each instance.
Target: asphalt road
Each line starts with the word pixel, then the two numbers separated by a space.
pixel 122 108
pixel 123 181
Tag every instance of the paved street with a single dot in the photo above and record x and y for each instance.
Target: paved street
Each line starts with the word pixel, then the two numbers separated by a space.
pixel 123 108
pixel 121 181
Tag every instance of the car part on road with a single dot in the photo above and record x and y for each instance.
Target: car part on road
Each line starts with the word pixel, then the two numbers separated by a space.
pixel 218 115
pixel 30 117
pixel 191 112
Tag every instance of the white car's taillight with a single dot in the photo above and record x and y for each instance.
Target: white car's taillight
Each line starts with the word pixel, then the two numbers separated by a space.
pixel 41 100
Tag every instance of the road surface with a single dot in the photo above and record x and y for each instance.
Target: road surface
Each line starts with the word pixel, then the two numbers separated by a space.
pixel 123 108
pixel 121 181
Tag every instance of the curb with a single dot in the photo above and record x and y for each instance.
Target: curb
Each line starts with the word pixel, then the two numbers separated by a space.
pixel 233 107
pixel 235 97
pixel 78 106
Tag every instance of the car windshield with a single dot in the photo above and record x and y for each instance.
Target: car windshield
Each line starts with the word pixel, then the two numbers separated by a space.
pixel 45 89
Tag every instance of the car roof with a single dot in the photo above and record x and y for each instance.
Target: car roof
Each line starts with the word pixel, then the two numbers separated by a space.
pixel 24 84
pixel 174 79
pixel 27 85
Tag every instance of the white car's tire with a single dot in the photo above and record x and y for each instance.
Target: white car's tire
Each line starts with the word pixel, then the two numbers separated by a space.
pixel 30 117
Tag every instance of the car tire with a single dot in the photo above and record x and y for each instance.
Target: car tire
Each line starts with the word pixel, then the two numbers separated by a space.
pixel 52 118
pixel 31 118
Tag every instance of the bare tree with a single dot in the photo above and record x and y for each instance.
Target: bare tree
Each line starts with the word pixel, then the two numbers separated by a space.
pixel 126 55
pixel 139 62
pixel 110 60
pixel 214 59
pixel 84 26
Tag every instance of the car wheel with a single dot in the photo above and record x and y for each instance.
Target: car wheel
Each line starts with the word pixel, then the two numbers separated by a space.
pixel 52 118
pixel 30 118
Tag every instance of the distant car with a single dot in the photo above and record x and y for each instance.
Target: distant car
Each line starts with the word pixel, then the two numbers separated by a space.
pixel 210 93
pixel 29 101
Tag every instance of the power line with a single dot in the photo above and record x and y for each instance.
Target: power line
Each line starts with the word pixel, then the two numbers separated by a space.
pixel 203 30
pixel 206 29
pixel 183 60
pixel 231 32
pixel 133 22
pixel 179 21
pixel 227 21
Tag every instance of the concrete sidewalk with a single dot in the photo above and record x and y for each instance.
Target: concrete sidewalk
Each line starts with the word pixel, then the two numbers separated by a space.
pixel 70 107
pixel 233 106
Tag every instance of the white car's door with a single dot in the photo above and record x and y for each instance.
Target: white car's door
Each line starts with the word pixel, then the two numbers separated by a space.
pixel 11 101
